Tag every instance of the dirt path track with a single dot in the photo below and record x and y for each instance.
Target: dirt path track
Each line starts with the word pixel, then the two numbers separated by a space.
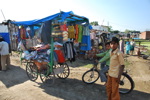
pixel 15 85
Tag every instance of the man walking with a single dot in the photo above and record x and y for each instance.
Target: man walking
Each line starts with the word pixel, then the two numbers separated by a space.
pixel 4 51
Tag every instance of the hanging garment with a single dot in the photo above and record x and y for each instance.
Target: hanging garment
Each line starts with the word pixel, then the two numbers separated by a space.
pixel 60 56
pixel 63 27
pixel 65 36
pixel 71 32
pixel 77 33
pixel 86 30
pixel 45 32
pixel 86 43
pixel 69 51
pixel 80 33
pixel 23 33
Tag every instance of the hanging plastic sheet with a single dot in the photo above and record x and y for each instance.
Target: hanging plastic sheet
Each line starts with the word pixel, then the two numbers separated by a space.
pixel 45 32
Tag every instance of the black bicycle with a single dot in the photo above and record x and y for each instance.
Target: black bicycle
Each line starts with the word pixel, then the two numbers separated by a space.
pixel 126 82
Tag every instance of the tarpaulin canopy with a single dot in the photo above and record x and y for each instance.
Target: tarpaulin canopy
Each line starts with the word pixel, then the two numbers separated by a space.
pixel 62 16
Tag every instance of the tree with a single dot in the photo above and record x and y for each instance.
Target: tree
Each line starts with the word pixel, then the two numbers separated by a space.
pixel 95 23
pixel 115 31
pixel 127 31
pixel 109 28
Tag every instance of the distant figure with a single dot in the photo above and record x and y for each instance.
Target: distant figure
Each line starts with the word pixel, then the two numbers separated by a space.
pixel 132 45
pixel 127 47
pixel 139 53
pixel 4 51
pixel 121 45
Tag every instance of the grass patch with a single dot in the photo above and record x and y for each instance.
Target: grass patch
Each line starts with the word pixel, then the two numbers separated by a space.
pixel 127 63
pixel 88 66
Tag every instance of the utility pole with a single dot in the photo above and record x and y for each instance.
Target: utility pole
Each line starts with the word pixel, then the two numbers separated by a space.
pixel 3 14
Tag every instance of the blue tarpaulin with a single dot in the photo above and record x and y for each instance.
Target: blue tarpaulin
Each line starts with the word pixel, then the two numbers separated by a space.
pixel 68 16
pixel 5 37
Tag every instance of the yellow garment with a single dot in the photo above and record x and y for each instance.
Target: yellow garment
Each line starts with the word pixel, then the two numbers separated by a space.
pixel 71 32
pixel 116 59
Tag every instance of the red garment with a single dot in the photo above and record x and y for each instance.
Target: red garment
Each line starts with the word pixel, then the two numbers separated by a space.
pixel 60 55
pixel 63 27
pixel 23 33
pixel 77 33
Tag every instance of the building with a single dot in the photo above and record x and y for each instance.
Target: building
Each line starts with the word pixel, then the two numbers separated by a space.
pixel 145 35
pixel 101 28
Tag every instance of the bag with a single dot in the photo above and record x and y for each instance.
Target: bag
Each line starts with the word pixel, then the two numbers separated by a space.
pixel 60 56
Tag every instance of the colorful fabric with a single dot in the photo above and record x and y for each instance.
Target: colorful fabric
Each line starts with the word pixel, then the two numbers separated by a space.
pixel 77 32
pixel 23 33
pixel 63 27
pixel 80 33
pixel 86 43
pixel 60 55
pixel 71 32
pixel 116 59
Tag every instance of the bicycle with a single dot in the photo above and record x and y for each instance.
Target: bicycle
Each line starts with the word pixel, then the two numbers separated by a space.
pixel 126 82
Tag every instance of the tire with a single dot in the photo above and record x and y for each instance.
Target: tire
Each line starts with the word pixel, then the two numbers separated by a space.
pixel 89 75
pixel 66 71
pixel 47 77
pixel 126 84
pixel 32 71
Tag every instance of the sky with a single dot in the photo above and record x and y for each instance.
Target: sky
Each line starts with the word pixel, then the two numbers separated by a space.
pixel 120 14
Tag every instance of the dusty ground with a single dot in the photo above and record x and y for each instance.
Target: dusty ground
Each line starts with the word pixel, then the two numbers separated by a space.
pixel 15 85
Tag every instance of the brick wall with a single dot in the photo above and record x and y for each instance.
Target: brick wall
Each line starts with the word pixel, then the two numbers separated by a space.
pixel 145 35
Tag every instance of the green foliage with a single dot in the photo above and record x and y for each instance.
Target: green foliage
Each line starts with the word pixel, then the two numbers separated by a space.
pixel 109 28
pixel 95 23
pixel 126 31
pixel 115 31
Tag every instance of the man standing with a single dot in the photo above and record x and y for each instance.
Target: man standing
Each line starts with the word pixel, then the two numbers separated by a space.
pixel 4 51
pixel 115 70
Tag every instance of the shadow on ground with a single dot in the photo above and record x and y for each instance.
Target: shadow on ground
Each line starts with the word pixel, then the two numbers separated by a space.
pixel 14 76
pixel 73 89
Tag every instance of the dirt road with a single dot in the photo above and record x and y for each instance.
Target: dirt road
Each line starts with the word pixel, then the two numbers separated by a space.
pixel 15 85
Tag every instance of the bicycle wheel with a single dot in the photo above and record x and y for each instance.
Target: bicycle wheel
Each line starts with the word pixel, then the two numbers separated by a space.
pixel 46 76
pixel 65 71
pixel 32 71
pixel 90 76
pixel 126 84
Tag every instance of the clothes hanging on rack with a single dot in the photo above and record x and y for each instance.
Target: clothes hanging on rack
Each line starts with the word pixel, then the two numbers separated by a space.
pixel 86 43
pixel 69 51
pixel 23 33
pixel 71 32
pixel 45 32
pixel 77 32
pixel 65 36
pixel 63 27
pixel 80 33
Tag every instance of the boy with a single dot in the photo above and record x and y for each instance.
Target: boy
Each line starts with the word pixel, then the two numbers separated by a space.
pixel 115 70
pixel 105 61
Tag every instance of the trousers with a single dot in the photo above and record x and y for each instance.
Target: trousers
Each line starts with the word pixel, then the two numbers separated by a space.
pixel 112 88
pixel 5 62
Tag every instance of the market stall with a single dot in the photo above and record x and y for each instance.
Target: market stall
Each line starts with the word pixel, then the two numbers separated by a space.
pixel 58 35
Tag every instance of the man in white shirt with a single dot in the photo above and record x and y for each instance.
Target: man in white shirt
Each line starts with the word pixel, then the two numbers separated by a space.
pixel 4 51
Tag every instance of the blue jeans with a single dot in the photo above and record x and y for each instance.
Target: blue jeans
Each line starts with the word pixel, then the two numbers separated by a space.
pixel 103 72
pixel 103 64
